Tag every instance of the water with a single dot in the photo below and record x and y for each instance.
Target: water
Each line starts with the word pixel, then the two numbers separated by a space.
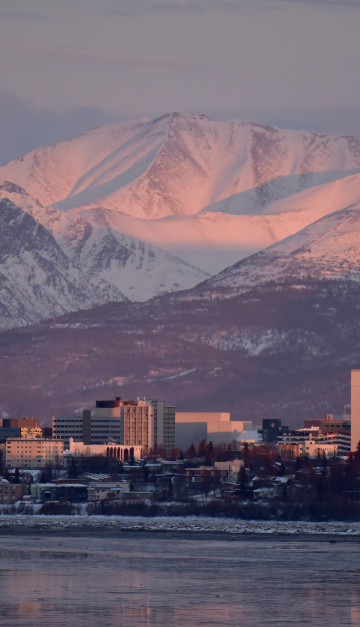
pixel 109 578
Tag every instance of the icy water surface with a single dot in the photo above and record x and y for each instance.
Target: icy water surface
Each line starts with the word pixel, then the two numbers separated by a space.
pixel 107 578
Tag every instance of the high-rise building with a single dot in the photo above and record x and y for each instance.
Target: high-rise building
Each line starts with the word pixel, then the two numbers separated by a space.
pixel 76 426
pixel 355 409
pixel 146 423
pixel 161 431
pixel 271 429
pixel 106 422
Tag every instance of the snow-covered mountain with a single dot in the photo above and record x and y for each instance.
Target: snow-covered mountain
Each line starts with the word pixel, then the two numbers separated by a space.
pixel 37 280
pixel 209 192
pixel 275 335
pixel 154 206
pixel 327 249
pixel 181 164
pixel 86 264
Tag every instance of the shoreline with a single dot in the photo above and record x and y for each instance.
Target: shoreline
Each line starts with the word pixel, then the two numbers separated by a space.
pixel 194 526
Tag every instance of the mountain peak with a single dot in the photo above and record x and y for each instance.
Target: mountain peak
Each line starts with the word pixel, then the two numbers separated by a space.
pixel 180 164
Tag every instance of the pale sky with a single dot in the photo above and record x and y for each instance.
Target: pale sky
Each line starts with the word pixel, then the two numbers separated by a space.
pixel 66 66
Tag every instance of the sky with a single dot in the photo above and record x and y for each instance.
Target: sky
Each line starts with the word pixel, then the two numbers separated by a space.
pixel 68 66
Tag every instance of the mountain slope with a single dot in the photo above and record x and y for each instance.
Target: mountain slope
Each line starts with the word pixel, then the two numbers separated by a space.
pixel 326 249
pixel 37 280
pixel 274 336
pixel 117 264
pixel 108 265
pixel 212 241
pixel 283 353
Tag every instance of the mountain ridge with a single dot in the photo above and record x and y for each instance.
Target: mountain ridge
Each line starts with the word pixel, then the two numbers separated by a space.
pixel 208 192
pixel 237 155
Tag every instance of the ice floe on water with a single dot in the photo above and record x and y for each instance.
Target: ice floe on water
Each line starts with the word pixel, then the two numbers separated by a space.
pixel 178 524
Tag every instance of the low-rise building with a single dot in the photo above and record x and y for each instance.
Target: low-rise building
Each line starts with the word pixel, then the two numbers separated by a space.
pixel 111 449
pixel 314 448
pixel 205 476
pixel 330 438
pixel 30 452
pixel 100 490
pixel 233 469
pixel 11 492
pixel 309 447
pixel 342 441
pixel 73 492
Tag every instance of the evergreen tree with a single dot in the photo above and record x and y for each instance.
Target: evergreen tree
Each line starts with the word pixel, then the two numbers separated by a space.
pixel 72 471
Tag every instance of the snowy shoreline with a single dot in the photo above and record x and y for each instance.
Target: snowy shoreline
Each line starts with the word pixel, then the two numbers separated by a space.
pixel 192 524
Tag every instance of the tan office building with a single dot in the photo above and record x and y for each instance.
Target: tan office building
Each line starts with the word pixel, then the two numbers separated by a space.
pixel 149 423
pixel 30 452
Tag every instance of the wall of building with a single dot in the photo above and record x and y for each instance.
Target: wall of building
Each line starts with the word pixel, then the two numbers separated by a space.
pixel 161 425
pixel 137 426
pixel 218 428
pixel 66 427
pixel 73 492
pixel 355 409
pixel 111 449
pixel 188 433
pixel 29 452
pixel 100 490
pixel 105 428
pixel 232 468
pixel 21 422
pixel 11 492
